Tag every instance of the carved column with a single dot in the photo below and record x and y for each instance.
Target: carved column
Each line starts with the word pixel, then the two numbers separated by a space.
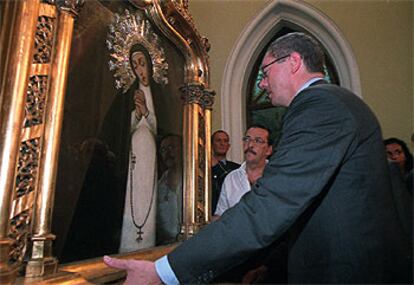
pixel 40 259
pixel 17 40
pixel 197 158
pixel 207 101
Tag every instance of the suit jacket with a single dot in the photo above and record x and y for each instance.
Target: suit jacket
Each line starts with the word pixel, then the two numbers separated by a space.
pixel 328 187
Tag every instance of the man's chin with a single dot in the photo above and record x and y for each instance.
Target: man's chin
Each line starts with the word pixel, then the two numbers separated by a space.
pixel 249 156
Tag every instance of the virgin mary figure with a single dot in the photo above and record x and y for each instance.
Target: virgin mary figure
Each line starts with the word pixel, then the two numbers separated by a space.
pixel 138 225
pixel 138 62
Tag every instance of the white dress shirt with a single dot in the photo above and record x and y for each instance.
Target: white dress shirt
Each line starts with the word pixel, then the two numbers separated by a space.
pixel 235 185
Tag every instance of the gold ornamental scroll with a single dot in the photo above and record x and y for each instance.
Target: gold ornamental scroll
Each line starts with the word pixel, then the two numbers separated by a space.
pixel 16 36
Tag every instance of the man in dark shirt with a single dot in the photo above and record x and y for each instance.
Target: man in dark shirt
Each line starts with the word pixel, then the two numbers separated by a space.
pixel 220 166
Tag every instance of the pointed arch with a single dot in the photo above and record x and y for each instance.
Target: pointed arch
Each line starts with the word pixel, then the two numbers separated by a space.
pixel 255 37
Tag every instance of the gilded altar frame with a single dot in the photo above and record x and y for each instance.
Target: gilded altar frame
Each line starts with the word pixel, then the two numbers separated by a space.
pixel 36 37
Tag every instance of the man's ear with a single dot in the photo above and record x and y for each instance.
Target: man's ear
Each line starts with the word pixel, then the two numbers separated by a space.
pixel 295 62
pixel 269 150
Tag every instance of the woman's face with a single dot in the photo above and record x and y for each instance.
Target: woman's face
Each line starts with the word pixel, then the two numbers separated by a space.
pixel 140 67
pixel 396 154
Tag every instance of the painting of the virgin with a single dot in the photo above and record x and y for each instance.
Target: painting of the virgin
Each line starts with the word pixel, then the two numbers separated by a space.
pixel 116 113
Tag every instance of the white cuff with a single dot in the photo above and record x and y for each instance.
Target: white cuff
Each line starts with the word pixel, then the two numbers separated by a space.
pixel 165 272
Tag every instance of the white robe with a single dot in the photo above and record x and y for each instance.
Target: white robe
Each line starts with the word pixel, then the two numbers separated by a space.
pixel 144 181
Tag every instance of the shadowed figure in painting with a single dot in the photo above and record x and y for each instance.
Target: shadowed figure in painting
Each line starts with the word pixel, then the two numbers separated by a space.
pixel 170 193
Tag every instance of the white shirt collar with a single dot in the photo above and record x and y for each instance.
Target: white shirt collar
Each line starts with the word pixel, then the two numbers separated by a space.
pixel 243 166
pixel 308 83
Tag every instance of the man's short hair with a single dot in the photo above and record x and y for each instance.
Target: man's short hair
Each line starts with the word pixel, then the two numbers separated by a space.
pixel 219 131
pixel 309 49
pixel 260 126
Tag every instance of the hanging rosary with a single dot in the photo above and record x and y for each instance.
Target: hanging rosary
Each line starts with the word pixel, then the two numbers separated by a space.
pixel 131 187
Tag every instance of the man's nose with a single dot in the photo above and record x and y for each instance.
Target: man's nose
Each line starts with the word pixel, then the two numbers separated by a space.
pixel 262 85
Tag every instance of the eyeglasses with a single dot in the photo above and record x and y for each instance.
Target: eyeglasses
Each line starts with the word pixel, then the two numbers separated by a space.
pixel 253 140
pixel 272 62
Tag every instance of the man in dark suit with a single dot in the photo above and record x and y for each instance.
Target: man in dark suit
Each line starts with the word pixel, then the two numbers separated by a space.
pixel 327 188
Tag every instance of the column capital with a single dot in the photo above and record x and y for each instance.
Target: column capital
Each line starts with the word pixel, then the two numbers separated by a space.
pixel 195 93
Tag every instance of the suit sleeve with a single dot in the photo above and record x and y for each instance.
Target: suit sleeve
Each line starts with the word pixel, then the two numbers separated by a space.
pixel 317 133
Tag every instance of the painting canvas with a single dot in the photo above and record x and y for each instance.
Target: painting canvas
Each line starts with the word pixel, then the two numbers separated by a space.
pixel 120 140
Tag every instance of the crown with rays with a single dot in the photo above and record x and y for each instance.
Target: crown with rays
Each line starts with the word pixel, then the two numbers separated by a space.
pixel 126 31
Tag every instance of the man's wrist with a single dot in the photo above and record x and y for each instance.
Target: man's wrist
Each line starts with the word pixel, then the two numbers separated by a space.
pixel 165 272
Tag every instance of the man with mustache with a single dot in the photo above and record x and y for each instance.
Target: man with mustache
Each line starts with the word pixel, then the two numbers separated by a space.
pixel 257 146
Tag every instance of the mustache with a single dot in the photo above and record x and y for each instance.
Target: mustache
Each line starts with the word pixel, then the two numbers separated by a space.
pixel 250 150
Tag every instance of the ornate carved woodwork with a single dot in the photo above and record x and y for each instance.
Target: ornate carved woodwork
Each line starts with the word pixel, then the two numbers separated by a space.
pixel 36 55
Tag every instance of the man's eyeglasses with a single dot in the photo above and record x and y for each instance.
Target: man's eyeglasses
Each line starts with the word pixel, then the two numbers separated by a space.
pixel 253 140
pixel 272 62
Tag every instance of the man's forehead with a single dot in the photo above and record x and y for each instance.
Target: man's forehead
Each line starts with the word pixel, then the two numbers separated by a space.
pixel 257 132
pixel 267 58
pixel 221 135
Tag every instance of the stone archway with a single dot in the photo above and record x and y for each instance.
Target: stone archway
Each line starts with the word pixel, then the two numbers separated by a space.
pixel 255 37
